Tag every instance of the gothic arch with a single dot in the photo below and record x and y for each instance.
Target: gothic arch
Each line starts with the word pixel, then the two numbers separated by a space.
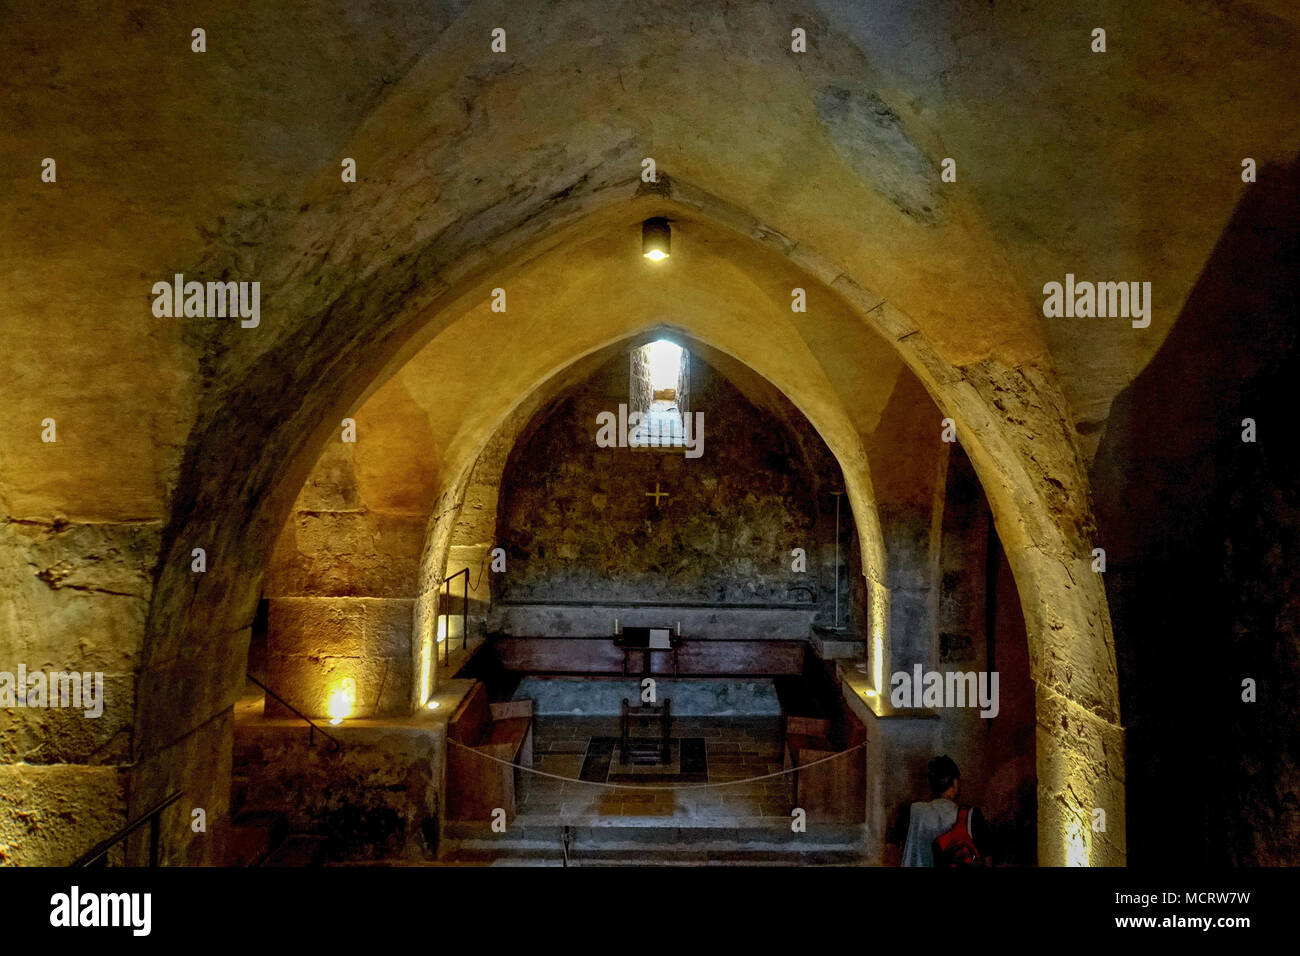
pixel 251 450
pixel 831 424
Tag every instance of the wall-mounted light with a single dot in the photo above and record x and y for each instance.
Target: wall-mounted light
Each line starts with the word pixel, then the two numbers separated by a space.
pixel 342 700
pixel 656 238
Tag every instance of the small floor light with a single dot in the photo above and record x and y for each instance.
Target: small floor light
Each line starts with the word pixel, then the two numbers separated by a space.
pixel 342 700
pixel 655 239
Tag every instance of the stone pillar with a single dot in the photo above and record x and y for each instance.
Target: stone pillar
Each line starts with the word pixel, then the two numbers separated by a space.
pixel 909 498
pixel 341 586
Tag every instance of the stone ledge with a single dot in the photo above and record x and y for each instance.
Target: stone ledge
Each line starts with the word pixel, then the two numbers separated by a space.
pixel 845 646
pixel 865 702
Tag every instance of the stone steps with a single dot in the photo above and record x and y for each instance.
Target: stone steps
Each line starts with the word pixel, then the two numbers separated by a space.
pixel 262 838
pixel 609 845
pixel 684 857
pixel 658 832
pixel 252 838
pixel 299 849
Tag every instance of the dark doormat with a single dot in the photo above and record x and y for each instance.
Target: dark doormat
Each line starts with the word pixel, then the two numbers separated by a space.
pixel 688 763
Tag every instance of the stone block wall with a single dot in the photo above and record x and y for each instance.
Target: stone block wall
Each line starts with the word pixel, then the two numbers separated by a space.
pixel 342 582
pixel 640 389
pixel 375 797
pixel 937 527
pixel 74 596
pixel 683 396
pixel 1203 590
pixel 580 528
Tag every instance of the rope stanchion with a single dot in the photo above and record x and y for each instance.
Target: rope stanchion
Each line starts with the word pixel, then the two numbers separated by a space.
pixel 634 786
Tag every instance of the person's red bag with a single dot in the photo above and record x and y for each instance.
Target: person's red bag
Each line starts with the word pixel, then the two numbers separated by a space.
pixel 957 846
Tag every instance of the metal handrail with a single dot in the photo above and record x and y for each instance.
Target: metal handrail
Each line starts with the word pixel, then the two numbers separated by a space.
pixel 312 725
pixel 151 816
pixel 464 614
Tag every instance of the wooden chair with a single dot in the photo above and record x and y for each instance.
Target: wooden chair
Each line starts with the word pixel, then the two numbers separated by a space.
pixel 639 753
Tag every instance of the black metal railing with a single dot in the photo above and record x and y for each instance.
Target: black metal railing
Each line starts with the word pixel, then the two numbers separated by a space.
pixel 98 856
pixel 464 614
pixel 311 724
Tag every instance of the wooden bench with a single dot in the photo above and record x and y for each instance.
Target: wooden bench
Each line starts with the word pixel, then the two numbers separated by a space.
pixel 830 792
pixel 800 705
pixel 475 785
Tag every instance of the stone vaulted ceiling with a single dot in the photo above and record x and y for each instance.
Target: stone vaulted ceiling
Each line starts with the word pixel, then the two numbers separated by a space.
pixel 519 169
pixel 1120 165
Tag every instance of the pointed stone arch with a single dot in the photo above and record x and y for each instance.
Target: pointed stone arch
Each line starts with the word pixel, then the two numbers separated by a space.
pixel 249 453
pixel 830 424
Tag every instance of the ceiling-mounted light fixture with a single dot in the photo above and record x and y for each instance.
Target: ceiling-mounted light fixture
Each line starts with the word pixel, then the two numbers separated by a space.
pixel 655 238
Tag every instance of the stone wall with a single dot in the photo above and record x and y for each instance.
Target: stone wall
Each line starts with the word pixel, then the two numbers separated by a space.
pixel 579 525
pixel 641 388
pixel 981 628
pixel 343 577
pixel 909 462
pixel 951 612
pixel 587 696
pixel 473 533
pixel 683 396
pixel 1203 586
pixel 73 598
pixel 375 797
pixel 187 429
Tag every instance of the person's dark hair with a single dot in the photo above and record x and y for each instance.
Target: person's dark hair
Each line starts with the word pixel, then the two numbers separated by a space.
pixel 943 771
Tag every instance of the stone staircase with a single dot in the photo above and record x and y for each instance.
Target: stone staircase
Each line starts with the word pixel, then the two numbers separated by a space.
pixel 262 838
pixel 610 844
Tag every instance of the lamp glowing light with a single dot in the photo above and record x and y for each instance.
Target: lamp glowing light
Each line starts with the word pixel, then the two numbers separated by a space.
pixel 342 700
pixel 432 705
pixel 656 238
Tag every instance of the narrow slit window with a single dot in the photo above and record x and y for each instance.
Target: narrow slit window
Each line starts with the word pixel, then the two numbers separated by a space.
pixel 660 386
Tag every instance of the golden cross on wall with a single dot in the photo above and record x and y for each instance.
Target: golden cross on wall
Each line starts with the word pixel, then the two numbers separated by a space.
pixel 656 494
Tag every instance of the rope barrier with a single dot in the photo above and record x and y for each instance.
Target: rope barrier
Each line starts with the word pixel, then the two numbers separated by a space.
pixel 627 786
